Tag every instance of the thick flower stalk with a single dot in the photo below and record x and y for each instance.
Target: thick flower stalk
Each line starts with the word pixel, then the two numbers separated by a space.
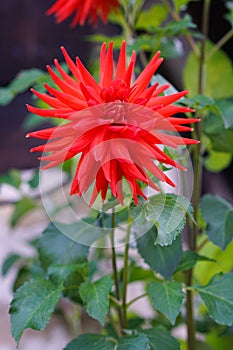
pixel 82 10
pixel 118 127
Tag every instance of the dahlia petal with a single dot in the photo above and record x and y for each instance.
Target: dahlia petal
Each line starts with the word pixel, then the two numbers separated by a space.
pixel 73 68
pixel 121 65
pixel 87 77
pixel 51 101
pixel 108 69
pixel 67 99
pixel 64 86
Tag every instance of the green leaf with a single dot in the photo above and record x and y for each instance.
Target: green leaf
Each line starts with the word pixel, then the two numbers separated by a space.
pixel 6 96
pixel 225 107
pixel 218 215
pixel 71 276
pixel 133 342
pixel 21 208
pixel 160 339
pixel 218 65
pixel 59 273
pixel 84 232
pixel 217 161
pixel 204 272
pixel 56 249
pixel 32 306
pixel 25 79
pixel 9 262
pixel 189 260
pixel 152 17
pixel 163 260
pixel 179 4
pixel 91 341
pixel 167 298
pixel 218 298
pixel 168 213
pixel 13 178
pixel 95 297
pixel 229 15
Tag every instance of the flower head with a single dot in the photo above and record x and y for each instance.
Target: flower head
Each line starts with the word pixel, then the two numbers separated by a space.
pixel 116 125
pixel 82 10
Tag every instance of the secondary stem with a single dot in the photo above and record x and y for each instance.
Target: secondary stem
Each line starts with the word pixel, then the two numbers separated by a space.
pixel 114 267
pixel 192 240
pixel 125 276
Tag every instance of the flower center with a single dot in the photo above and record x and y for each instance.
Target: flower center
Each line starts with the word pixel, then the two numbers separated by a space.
pixel 117 91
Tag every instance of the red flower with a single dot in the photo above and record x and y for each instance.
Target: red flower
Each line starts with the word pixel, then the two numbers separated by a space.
pixel 82 10
pixel 115 124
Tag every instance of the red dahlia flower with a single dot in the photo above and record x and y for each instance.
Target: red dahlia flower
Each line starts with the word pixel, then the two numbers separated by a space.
pixel 115 125
pixel 83 9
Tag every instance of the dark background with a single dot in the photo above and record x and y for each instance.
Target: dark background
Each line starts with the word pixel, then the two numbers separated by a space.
pixel 28 38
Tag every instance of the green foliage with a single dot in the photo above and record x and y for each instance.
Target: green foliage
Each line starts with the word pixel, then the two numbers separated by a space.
pixel 9 262
pixel 160 339
pixel 91 341
pixel 153 17
pixel 222 262
pixel 30 309
pixel 56 249
pixel 133 342
pixel 218 126
pixel 218 215
pixel 13 178
pixel 163 260
pixel 217 161
pixel 189 260
pixel 19 84
pixel 179 4
pixel 229 15
pixel 219 75
pixel 95 297
pixel 218 298
pixel 22 207
pixel 170 303
pixel 168 214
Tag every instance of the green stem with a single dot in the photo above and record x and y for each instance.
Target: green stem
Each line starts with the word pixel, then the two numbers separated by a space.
pixel 125 276
pixel 115 271
pixel 192 239
pixel 136 299
pixel 220 43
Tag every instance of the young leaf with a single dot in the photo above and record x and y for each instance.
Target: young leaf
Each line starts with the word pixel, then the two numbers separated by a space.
pixel 59 273
pixel 218 215
pixel 167 298
pixel 55 248
pixel 133 342
pixel 163 260
pixel 91 341
pixel 9 262
pixel 84 232
pixel 71 276
pixel 168 213
pixel 6 96
pixel 218 298
pixel 32 305
pixel 95 297
pixel 180 3
pixel 160 339
pixel 22 207
pixel 152 17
